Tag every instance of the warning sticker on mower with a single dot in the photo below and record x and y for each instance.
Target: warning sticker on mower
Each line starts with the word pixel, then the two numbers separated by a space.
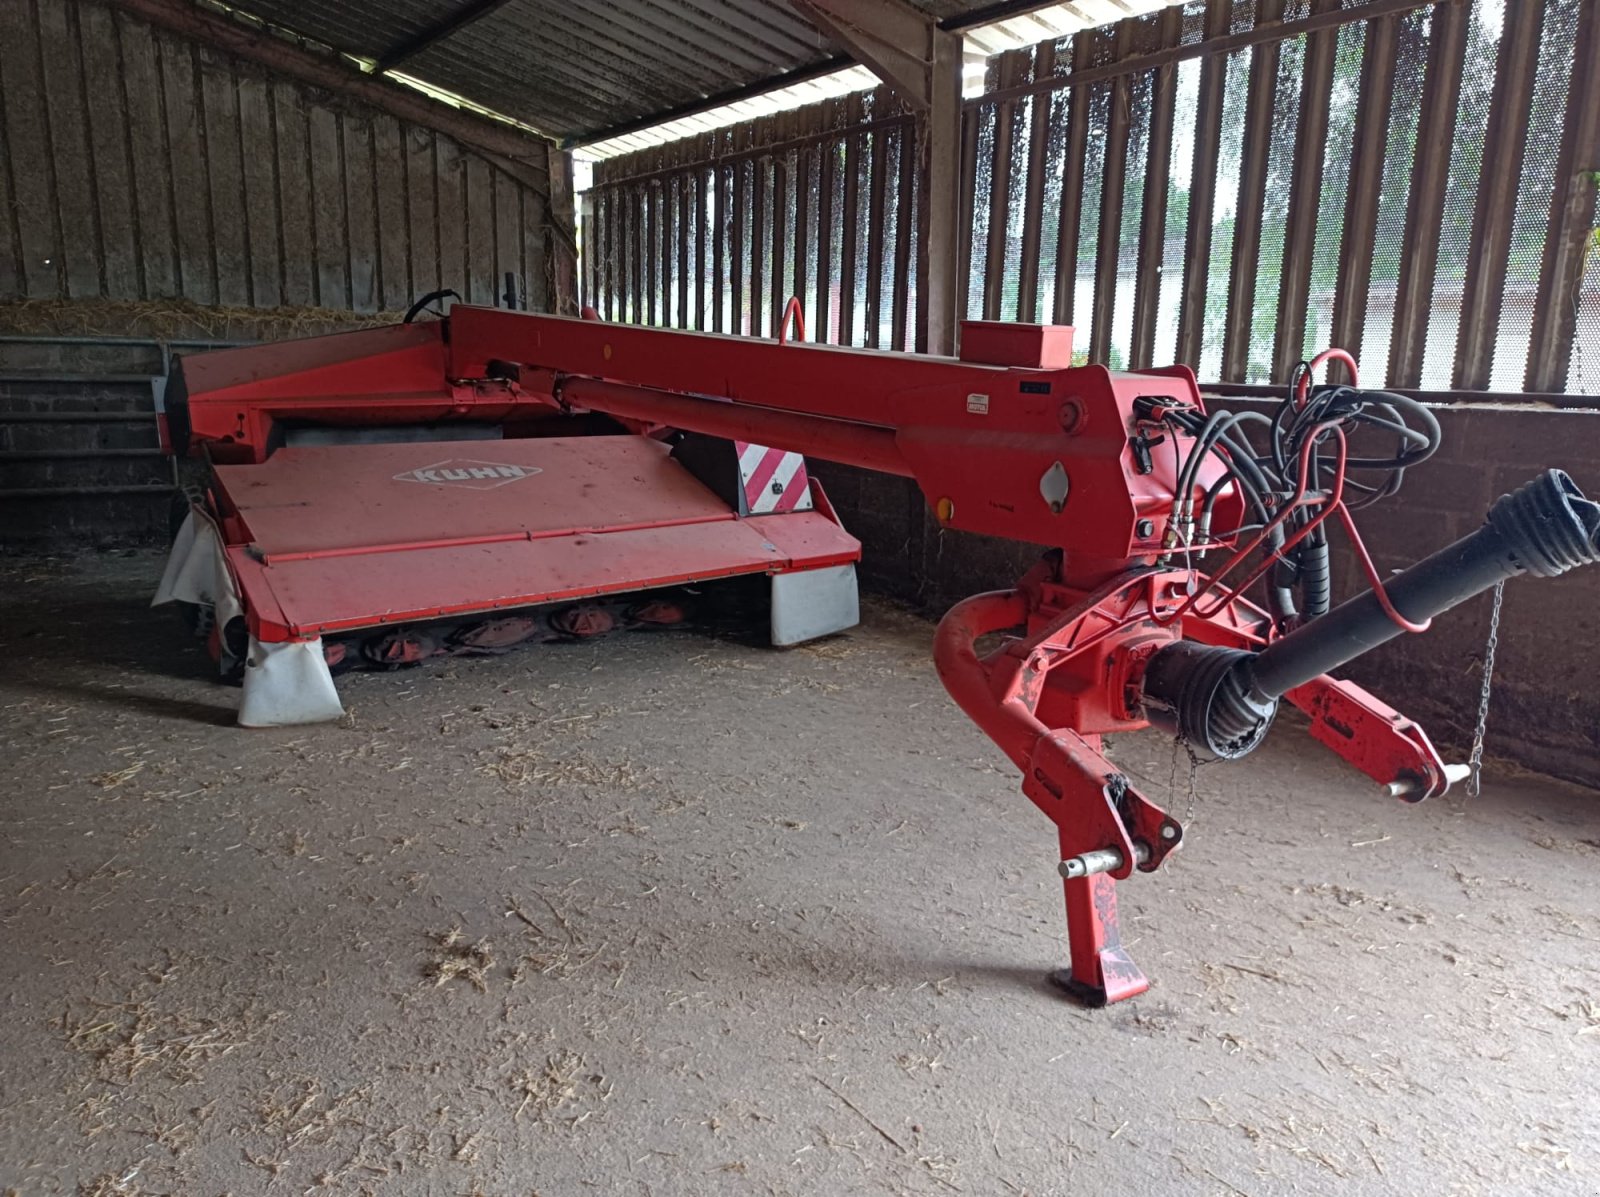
pixel 474 475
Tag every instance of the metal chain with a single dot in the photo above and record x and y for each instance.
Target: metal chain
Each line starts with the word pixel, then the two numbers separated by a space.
pixel 1475 761
pixel 1182 745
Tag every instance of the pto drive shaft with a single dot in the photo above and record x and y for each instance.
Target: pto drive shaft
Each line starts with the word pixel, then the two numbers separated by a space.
pixel 1222 700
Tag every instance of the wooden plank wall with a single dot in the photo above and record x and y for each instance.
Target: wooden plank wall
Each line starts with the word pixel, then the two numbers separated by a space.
pixel 135 165
pixel 1233 184
pixel 716 232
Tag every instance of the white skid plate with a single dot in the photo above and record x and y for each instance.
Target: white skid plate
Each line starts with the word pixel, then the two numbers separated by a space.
pixel 809 603
pixel 286 684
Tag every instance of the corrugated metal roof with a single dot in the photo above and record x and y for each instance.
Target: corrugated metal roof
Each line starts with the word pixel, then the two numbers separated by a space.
pixel 573 69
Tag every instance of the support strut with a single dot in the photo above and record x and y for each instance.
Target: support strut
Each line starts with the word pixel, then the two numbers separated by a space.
pixel 1102 972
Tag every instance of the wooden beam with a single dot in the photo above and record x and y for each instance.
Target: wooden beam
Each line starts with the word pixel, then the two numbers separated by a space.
pixel 1203 189
pixel 522 154
pixel 889 37
pixel 1364 193
pixel 921 62
pixel 1113 194
pixel 940 240
pixel 1153 210
pixel 1069 216
pixel 1425 196
pixel 1305 194
pixel 448 26
pixel 1493 217
pixel 1239 324
pixel 1044 64
pixel 562 252
pixel 1013 65
pixel 1570 232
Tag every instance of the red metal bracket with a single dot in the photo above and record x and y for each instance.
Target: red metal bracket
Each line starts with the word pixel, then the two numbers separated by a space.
pixel 1102 972
pixel 1059 676
pixel 1373 737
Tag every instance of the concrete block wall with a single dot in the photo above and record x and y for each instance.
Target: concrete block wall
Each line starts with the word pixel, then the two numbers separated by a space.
pixel 81 465
pixel 1545 711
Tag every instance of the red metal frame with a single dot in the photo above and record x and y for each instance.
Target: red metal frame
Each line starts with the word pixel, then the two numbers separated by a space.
pixel 1017 444
pixel 324 540
pixel 978 439
pixel 1048 696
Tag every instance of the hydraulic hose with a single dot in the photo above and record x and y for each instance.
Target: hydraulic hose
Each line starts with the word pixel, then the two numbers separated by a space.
pixel 1316 578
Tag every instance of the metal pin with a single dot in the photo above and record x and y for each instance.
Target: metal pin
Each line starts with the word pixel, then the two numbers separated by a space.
pixel 1410 785
pixel 1100 860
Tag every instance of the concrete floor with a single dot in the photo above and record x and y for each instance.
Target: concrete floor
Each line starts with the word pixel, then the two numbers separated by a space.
pixel 670 914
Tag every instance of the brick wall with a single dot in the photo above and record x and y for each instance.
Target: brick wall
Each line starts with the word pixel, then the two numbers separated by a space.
pixel 1546 708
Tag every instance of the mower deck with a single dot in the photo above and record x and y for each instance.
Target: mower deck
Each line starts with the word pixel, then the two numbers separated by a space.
pixel 331 539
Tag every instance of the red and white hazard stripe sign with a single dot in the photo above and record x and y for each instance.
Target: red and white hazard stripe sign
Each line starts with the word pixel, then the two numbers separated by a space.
pixel 773 479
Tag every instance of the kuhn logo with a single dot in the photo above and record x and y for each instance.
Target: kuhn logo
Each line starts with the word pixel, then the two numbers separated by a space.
pixel 475 475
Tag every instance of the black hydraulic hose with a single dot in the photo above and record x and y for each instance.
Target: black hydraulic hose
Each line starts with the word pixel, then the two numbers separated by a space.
pixel 1240 465
pixel 1191 466
pixel 1545 528
pixel 1316 578
pixel 415 309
